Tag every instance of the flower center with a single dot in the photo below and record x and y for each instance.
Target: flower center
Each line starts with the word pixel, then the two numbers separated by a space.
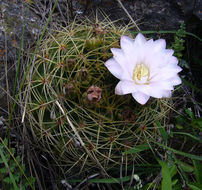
pixel 141 74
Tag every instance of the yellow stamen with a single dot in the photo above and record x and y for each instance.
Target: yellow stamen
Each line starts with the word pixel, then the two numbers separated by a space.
pixel 140 71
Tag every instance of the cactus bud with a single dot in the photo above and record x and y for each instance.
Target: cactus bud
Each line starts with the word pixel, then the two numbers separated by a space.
pixel 94 94
pixel 98 29
pixel 93 43
pixel 128 115
pixel 69 63
pixel 69 88
pixel 83 74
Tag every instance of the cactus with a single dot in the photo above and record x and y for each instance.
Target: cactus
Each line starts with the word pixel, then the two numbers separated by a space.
pixel 73 111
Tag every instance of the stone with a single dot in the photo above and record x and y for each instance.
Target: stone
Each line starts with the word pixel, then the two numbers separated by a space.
pixel 14 15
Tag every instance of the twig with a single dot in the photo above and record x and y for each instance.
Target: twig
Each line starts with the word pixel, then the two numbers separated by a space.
pixel 121 172
pixel 6 73
pixel 70 7
pixel 2 109
pixel 79 138
pixel 120 3
pixel 60 11
pixel 132 174
pixel 90 177
pixel 28 89
pixel 70 123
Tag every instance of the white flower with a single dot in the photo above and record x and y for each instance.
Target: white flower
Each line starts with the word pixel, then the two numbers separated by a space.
pixel 145 68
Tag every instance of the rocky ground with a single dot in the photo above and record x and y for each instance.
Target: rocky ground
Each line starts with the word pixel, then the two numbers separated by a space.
pixel 32 15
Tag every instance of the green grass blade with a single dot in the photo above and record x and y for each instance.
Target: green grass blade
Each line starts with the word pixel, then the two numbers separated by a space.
pixel 195 186
pixel 162 131
pixel 109 181
pixel 7 166
pixel 191 85
pixel 198 171
pixel 19 56
pixel 184 166
pixel 189 135
pixel 137 149
pixel 193 157
pixel 166 183
pixel 113 180
pixel 21 169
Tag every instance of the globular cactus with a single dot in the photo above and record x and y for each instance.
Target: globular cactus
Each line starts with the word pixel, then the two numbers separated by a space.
pixel 73 111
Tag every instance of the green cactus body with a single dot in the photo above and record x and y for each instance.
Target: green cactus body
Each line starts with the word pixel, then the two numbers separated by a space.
pixel 70 62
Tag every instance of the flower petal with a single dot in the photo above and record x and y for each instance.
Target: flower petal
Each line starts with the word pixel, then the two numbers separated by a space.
pixel 175 80
pixel 139 40
pixel 159 45
pixel 114 68
pixel 164 73
pixel 150 90
pixel 126 60
pixel 166 94
pixel 168 84
pixel 171 60
pixel 126 44
pixel 119 57
pixel 169 52
pixel 140 97
pixel 125 87
pixel 163 85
